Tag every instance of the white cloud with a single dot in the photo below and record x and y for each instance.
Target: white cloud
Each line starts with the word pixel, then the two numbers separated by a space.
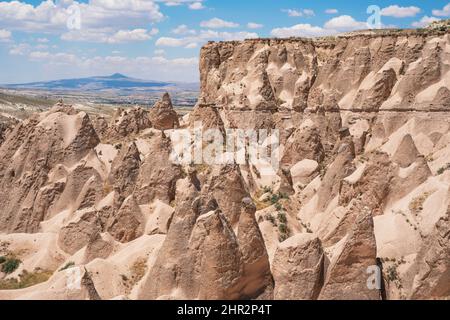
pixel 49 16
pixel 121 36
pixel 300 30
pixel 253 25
pixel 19 49
pixel 5 35
pixel 292 12
pixel 227 36
pixel 331 27
pixel 191 45
pixel 170 42
pixel 331 11
pixel 159 52
pixel 42 40
pixel 132 35
pixel 400 12
pixel 299 13
pixel 192 4
pixel 445 12
pixel 425 21
pixel 216 23
pixel 204 35
pixel 345 23
pixel 309 12
pixel 172 3
pixel 37 55
pixel 183 29
pixel 196 6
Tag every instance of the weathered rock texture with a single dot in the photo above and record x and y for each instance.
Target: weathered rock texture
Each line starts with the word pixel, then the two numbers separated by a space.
pixel 363 181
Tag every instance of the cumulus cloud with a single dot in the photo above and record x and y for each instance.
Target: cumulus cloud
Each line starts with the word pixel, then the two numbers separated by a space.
pixel 50 16
pixel 42 40
pixel 121 36
pixel 20 49
pixel 308 12
pixel 217 23
pixel 445 12
pixel 192 4
pixel 298 13
pixel 292 12
pixel 253 25
pixel 344 23
pixel 170 42
pixel 400 12
pixel 300 30
pixel 333 26
pixel 203 36
pixel 5 35
pixel 183 29
pixel 425 21
pixel 192 45
pixel 331 11
pixel 196 6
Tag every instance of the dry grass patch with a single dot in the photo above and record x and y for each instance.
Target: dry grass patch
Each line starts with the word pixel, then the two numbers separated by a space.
pixel 26 279
pixel 416 205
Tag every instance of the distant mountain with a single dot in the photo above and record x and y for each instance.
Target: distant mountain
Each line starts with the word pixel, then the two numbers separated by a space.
pixel 116 81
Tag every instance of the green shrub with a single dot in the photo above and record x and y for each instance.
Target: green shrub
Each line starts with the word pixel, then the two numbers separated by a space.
pixel 442 170
pixel 282 227
pixel 68 265
pixel 26 279
pixel 274 198
pixel 283 195
pixel 283 237
pixel 2 259
pixel 10 265
pixel 282 217
pixel 392 273
pixel 270 218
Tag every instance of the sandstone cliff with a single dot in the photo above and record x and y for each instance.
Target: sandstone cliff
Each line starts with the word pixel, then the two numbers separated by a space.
pixel 363 182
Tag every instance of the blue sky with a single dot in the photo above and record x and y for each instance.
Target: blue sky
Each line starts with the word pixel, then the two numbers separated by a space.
pixel 161 39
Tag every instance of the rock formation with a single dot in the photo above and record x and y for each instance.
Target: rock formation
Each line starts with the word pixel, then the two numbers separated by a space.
pixel 362 182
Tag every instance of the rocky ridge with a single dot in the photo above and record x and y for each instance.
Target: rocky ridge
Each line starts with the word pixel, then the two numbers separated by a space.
pixel 363 182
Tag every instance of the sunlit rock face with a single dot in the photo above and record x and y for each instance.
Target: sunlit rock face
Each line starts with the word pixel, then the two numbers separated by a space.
pixel 362 183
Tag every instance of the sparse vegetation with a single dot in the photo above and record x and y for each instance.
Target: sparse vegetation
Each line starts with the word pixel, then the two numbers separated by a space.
pixel 306 226
pixel 283 232
pixel 26 279
pixel 443 169
pixel 68 265
pixel 136 273
pixel 274 198
pixel 269 217
pixel 10 265
pixel 107 188
pixel 138 270
pixel 416 205
pixel 408 221
pixel 2 259
pixel 391 273
pixel 322 170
